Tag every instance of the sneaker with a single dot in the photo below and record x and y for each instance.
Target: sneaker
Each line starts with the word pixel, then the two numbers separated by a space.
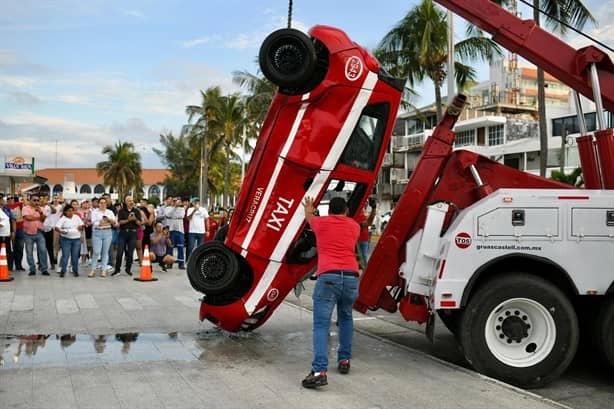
pixel 62 274
pixel 344 366
pixel 114 273
pixel 109 267
pixel 129 273
pixel 181 267
pixel 164 269
pixel 45 273
pixel 75 274
pixel 315 379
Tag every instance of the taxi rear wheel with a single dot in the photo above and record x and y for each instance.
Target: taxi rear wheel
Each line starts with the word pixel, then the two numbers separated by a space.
pixel 288 58
pixel 213 269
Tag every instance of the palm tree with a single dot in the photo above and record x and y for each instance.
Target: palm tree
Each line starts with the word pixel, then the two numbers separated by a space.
pixel 260 96
pixel 229 120
pixel 571 12
pixel 416 49
pixel 202 132
pixel 122 169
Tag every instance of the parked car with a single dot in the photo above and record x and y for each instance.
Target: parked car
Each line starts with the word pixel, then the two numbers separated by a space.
pixel 325 134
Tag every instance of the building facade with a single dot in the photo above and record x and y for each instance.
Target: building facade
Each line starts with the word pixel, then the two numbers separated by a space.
pixel 86 181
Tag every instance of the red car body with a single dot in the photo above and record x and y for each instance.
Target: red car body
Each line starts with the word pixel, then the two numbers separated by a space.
pixel 339 131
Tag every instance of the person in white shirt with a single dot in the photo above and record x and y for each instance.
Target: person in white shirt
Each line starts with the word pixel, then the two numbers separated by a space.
pixel 5 228
pixel 199 221
pixel 174 215
pixel 70 227
pixel 53 211
pixel 103 221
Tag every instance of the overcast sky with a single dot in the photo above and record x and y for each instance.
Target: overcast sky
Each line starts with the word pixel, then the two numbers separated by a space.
pixel 78 75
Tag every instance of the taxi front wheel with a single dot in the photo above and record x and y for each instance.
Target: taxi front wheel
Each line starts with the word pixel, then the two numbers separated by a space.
pixel 213 269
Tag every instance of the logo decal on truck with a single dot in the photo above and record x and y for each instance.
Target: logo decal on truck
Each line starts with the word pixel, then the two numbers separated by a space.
pixel 272 294
pixel 462 240
pixel 353 68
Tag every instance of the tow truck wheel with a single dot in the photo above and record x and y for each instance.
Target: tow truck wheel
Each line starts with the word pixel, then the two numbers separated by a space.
pixel 213 268
pixel 604 327
pixel 521 329
pixel 288 58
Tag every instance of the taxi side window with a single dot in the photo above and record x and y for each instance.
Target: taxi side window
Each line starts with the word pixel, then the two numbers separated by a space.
pixel 364 145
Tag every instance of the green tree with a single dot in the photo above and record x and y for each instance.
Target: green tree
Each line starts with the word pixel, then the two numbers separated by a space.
pixel 122 169
pixel 202 132
pixel 181 160
pixel 574 178
pixel 571 12
pixel 416 49
pixel 229 121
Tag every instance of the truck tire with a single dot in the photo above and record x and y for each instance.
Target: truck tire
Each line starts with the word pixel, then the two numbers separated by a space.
pixel 521 329
pixel 288 58
pixel 213 269
pixel 604 328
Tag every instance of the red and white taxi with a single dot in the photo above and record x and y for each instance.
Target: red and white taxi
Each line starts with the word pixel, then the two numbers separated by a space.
pixel 325 135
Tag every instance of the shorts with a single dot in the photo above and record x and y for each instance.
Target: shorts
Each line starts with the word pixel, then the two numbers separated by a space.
pixel 115 239
pixel 139 234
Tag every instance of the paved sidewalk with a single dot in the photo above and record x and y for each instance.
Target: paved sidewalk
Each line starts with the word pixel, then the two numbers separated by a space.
pixel 200 366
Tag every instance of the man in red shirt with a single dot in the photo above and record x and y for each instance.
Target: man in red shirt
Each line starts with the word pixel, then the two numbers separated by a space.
pixel 337 284
pixel 34 216
pixel 365 221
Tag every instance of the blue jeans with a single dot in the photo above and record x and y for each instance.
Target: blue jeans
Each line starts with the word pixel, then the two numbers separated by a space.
pixel 101 241
pixel 364 250
pixel 41 250
pixel 194 240
pixel 70 248
pixel 127 244
pixel 18 245
pixel 177 240
pixel 333 289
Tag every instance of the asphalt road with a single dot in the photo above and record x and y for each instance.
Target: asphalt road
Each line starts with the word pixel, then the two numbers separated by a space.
pixel 586 384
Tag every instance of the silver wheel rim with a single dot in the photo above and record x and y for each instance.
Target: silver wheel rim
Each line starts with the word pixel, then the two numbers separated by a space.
pixel 520 332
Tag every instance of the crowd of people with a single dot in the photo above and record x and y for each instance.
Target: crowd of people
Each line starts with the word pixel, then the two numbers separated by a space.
pixel 60 235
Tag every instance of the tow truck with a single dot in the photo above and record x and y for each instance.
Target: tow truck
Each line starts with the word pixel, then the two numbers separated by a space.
pixel 512 263
pixel 517 266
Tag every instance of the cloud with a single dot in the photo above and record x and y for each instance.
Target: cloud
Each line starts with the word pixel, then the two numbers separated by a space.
pixel 13 63
pixel 78 144
pixel 133 13
pixel 201 40
pixel 24 98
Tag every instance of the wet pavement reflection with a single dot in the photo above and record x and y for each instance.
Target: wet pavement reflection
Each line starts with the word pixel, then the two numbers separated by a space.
pixel 69 350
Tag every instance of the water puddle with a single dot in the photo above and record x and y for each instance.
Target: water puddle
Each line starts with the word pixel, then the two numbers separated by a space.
pixel 69 350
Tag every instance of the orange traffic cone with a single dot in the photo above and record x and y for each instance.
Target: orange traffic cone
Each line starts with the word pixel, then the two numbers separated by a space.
pixel 4 266
pixel 145 268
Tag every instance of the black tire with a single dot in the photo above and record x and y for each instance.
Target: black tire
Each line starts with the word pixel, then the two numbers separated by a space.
pixel 213 268
pixel 527 352
pixel 604 332
pixel 288 58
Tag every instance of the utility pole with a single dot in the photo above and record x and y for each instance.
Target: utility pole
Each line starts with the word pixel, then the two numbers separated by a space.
pixel 451 74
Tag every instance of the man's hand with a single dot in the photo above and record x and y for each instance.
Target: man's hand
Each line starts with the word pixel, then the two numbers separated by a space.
pixel 309 208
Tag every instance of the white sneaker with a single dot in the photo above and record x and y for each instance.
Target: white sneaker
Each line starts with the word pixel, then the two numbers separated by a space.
pixel 108 267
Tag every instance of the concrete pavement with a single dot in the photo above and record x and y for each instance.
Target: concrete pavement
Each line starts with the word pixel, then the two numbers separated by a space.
pixel 170 360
